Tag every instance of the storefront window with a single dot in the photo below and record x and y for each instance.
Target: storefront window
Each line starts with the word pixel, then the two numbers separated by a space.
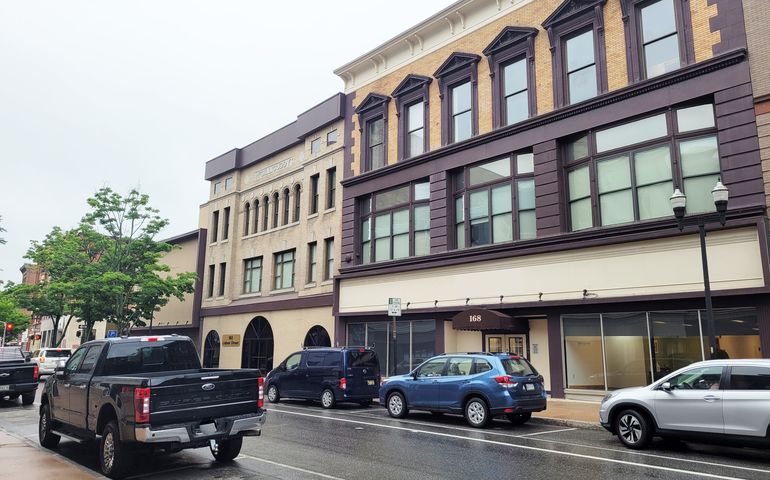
pixel 626 350
pixel 415 343
pixel 583 351
pixel 676 341
pixel 423 341
pixel 737 332
pixel 377 338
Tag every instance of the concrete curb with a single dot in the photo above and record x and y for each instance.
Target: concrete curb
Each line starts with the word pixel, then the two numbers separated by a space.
pixel 564 422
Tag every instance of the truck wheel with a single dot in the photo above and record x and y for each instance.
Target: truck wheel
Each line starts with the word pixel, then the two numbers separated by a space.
pixel 327 398
pixel 272 394
pixel 46 437
pixel 114 456
pixel 228 449
pixel 28 398
pixel 519 418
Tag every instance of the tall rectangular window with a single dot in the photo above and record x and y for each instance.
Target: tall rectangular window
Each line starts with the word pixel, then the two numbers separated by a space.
pixel 226 224
pixel 284 270
pixel 315 146
pixel 215 226
pixel 314 194
pixel 331 187
pixel 217 188
pixel 376 143
pixel 228 183
pixel 329 258
pixel 331 137
pixel 515 95
pixel 276 206
pixel 211 280
pixel 461 114
pixel 252 275
pixel 581 67
pixel 286 207
pixel 660 40
pixel 415 129
pixel 312 262
pixel 222 278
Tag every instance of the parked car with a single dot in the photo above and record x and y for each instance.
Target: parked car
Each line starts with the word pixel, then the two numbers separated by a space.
pixel 477 385
pixel 149 394
pixel 18 376
pixel 48 359
pixel 331 375
pixel 712 400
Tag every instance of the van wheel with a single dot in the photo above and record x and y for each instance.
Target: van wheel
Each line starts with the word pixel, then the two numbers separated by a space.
pixel 519 418
pixel 228 449
pixel 272 394
pixel 397 405
pixel 28 398
pixel 114 455
pixel 634 430
pixel 477 413
pixel 47 438
pixel 327 398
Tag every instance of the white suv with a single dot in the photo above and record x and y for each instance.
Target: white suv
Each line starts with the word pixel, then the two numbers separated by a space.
pixel 715 399
pixel 48 359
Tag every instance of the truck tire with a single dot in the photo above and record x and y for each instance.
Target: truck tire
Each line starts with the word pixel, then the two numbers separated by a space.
pixel 228 449
pixel 28 398
pixel 46 437
pixel 114 455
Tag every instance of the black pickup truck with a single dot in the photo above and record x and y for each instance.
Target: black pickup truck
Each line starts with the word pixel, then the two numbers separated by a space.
pixel 149 394
pixel 18 375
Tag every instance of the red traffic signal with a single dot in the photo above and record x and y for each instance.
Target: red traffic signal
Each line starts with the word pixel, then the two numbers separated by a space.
pixel 9 327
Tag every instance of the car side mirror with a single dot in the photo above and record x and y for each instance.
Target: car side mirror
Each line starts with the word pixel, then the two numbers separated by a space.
pixel 665 386
pixel 59 372
pixel 414 375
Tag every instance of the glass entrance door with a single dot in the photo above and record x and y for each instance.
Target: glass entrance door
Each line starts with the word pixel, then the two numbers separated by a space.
pixel 513 344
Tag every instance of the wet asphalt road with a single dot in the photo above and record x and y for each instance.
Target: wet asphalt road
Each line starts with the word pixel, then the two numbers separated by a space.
pixel 303 441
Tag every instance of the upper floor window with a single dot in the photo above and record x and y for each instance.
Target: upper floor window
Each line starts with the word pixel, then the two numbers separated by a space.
pixel 329 258
pixel 657 34
pixel 226 224
pixel 494 201
pixel 222 278
pixel 252 275
pixel 276 205
pixel 255 229
pixel 246 218
pixel 215 226
pixel 315 146
pixel 331 137
pixel 265 212
pixel 395 223
pixel 411 97
pixel 331 187
pixel 579 59
pixel 314 194
pixel 312 261
pixel 373 121
pixel 284 270
pixel 285 206
pixel 297 203
pixel 629 171
pixel 228 183
pixel 457 79
pixel 217 187
pixel 210 289
pixel 511 58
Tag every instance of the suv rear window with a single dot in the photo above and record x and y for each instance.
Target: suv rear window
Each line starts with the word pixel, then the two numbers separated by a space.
pixel 56 353
pixel 365 359
pixel 149 357
pixel 517 366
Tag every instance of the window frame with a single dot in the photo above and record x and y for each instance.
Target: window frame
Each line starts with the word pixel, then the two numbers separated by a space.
pixel 456 70
pixel 276 213
pixel 632 25
pixel 286 210
pixel 331 187
pixel 412 90
pixel 374 107
pixel 331 137
pixel 246 218
pixel 247 280
pixel 511 45
pixel 215 226
pixel 315 146
pixel 297 202
pixel 226 223
pixel 312 262
pixel 673 139
pixel 314 179
pixel 210 286
pixel 266 212
pixel 513 181
pixel 222 279
pixel 328 258
pixel 279 261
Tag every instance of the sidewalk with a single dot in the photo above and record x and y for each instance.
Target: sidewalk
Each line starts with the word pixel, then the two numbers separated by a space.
pixel 24 459
pixel 571 413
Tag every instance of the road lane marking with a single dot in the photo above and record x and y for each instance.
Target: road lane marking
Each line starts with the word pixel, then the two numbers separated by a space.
pixel 290 467
pixel 511 445
pixel 548 431
pixel 624 451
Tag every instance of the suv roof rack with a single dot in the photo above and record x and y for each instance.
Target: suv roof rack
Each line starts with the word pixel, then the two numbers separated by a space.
pixel 468 353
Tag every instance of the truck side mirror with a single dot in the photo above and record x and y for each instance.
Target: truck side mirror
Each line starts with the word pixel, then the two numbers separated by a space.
pixel 59 372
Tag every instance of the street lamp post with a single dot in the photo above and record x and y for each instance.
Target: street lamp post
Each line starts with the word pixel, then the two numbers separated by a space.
pixel 678 204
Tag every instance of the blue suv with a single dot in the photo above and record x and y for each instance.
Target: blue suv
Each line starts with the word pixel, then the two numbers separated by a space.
pixel 477 385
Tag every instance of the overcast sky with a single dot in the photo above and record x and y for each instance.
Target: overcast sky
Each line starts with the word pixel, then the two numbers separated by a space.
pixel 143 93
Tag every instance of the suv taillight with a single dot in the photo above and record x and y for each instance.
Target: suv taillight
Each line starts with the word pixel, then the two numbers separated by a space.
pixel 343 384
pixel 142 405
pixel 505 381
pixel 261 392
pixel 36 372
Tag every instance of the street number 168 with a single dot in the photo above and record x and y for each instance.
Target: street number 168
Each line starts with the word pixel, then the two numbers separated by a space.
pixel 475 318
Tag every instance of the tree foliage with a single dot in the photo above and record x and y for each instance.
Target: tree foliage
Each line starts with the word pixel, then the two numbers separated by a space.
pixel 11 312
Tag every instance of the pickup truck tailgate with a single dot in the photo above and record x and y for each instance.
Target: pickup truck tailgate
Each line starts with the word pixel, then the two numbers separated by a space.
pixel 203 396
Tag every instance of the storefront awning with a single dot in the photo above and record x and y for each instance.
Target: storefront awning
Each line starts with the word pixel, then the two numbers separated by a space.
pixel 483 319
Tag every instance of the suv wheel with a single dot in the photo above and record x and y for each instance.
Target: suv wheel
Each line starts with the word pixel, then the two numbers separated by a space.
pixel 327 398
pixel 397 405
pixel 47 438
pixel 114 455
pixel 634 430
pixel 272 394
pixel 519 418
pixel 477 413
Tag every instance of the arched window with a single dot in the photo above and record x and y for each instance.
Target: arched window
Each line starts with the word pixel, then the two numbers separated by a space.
pixel 276 199
pixel 256 216
pixel 265 212
pixel 317 337
pixel 296 202
pixel 286 206
pixel 258 346
pixel 246 218
pixel 211 350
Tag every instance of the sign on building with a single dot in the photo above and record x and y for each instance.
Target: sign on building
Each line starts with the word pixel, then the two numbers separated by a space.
pixel 231 340
pixel 394 307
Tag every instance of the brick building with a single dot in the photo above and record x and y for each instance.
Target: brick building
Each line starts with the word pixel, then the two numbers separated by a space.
pixel 507 174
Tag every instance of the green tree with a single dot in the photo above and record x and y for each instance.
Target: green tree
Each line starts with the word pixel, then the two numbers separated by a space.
pixel 11 312
pixel 136 283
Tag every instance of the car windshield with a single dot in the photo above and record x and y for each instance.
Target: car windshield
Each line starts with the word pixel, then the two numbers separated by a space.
pixel 149 357
pixel 518 366
pixel 56 353
pixel 10 353
pixel 364 359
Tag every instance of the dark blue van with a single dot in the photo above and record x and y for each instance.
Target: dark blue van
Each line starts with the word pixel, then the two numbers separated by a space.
pixel 330 375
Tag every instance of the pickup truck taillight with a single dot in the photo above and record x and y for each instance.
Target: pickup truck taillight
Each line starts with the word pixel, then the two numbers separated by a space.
pixel 36 373
pixel 261 392
pixel 142 405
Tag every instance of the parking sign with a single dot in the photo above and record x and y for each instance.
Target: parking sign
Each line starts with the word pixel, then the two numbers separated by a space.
pixel 394 307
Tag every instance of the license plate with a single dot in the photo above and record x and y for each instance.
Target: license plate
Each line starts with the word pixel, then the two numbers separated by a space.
pixel 529 387
pixel 370 382
pixel 4 388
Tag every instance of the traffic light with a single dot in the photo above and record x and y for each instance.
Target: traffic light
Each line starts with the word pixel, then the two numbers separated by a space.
pixel 9 327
